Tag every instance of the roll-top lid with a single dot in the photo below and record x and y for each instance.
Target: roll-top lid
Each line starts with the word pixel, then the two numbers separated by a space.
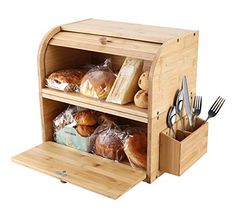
pixel 125 30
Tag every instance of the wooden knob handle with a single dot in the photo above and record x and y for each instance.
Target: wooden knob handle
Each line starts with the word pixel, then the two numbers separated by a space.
pixel 103 40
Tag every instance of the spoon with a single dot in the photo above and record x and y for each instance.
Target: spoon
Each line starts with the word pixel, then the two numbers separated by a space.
pixel 171 118
pixel 179 106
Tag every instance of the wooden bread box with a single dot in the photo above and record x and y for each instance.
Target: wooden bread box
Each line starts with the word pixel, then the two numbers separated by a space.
pixel 169 52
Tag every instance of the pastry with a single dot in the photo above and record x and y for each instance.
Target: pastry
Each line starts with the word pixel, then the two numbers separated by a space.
pixel 141 99
pixel 86 117
pixel 109 145
pixel 126 84
pixel 136 149
pixel 105 118
pixel 85 131
pixel 97 83
pixel 66 80
pixel 143 81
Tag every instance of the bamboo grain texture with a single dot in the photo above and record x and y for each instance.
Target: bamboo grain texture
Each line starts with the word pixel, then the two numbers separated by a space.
pixel 89 171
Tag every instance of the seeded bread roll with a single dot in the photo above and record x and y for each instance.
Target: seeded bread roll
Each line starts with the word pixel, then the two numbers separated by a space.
pixel 85 131
pixel 141 99
pixel 143 81
pixel 105 118
pixel 86 117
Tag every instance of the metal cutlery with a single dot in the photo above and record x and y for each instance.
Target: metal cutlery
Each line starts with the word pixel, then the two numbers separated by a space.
pixel 171 118
pixel 215 107
pixel 179 106
pixel 187 104
pixel 197 107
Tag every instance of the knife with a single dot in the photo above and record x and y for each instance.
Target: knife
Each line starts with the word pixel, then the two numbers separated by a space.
pixel 187 104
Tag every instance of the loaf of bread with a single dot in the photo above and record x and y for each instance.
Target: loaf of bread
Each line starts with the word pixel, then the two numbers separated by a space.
pixel 97 83
pixel 141 99
pixel 66 80
pixel 126 84
pixel 106 118
pixel 85 117
pixel 136 149
pixel 84 130
pixel 109 145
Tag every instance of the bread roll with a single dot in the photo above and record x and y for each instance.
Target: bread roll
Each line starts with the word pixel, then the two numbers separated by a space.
pixel 109 145
pixel 143 81
pixel 86 117
pixel 97 83
pixel 85 131
pixel 136 149
pixel 66 80
pixel 141 99
pixel 105 118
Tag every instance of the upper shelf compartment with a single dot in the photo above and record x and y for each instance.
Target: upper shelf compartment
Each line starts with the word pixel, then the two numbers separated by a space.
pixel 106 44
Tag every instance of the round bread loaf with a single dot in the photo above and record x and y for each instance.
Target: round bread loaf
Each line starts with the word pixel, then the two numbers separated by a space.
pixel 109 145
pixel 141 99
pixel 71 78
pixel 143 81
pixel 136 149
pixel 97 83
pixel 85 131
pixel 86 117
pixel 105 118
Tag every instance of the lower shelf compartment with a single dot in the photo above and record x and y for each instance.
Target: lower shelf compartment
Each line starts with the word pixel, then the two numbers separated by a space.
pixel 89 171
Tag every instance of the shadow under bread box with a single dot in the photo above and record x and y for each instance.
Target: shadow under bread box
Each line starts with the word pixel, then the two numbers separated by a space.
pixel 170 53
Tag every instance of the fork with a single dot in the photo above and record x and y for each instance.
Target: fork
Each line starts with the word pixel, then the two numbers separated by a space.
pixel 197 107
pixel 215 107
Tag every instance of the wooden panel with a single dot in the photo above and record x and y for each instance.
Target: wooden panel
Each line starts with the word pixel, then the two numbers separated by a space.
pixel 129 111
pixel 45 112
pixel 176 58
pixel 41 55
pixel 57 58
pixel 89 171
pixel 50 109
pixel 177 156
pixel 110 45
pixel 193 147
pixel 154 128
pixel 169 154
pixel 125 30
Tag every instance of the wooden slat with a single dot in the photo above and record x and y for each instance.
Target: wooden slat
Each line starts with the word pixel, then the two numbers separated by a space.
pixel 129 111
pixel 125 30
pixel 117 46
pixel 89 171
pixel 176 58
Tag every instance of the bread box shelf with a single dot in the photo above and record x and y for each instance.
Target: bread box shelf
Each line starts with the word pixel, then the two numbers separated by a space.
pixel 129 111
pixel 168 54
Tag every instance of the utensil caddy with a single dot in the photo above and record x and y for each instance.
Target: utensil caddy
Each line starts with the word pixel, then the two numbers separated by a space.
pixel 169 53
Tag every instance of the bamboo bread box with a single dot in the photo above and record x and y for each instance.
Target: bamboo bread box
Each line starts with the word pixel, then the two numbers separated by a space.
pixel 169 53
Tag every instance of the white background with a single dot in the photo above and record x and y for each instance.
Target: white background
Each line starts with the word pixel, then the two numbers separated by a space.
pixel 207 189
